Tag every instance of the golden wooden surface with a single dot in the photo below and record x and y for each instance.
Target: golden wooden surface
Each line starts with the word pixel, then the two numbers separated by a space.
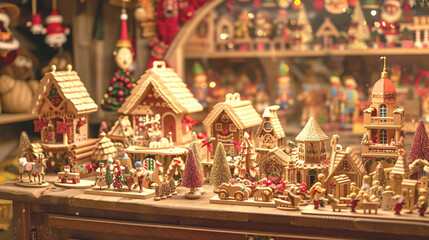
pixel 58 211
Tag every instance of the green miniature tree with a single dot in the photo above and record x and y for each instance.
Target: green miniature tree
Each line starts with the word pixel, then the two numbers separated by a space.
pixel 109 176
pixel 379 174
pixel 220 172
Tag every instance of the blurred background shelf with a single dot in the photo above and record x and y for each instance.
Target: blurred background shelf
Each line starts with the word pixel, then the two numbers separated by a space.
pixel 6 118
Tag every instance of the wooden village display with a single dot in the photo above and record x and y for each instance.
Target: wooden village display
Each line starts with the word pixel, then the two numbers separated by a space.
pixel 128 163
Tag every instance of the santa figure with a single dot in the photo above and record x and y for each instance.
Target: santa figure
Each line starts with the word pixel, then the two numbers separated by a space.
pixel 8 43
pixel 55 31
pixel 388 24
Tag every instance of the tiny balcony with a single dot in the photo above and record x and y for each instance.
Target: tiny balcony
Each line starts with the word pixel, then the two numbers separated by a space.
pixel 397 121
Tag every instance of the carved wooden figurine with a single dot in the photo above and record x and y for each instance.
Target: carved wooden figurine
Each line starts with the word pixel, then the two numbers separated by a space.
pixel 35 169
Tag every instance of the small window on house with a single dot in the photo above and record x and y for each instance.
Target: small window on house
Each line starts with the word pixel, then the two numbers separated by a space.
pixel 383 136
pixel 231 150
pixel 383 110
pixel 345 165
pixel 232 128
pixel 218 126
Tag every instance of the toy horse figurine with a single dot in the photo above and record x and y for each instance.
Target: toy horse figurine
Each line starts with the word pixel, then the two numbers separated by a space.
pixel 24 166
pixel 155 176
pixel 36 168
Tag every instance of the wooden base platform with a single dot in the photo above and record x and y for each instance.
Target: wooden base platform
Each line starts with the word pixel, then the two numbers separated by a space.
pixel 31 184
pixel 134 193
pixel 83 184
pixel 249 202
pixel 386 215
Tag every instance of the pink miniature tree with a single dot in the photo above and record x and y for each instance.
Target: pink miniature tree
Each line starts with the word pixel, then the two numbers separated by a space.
pixel 191 176
pixel 420 145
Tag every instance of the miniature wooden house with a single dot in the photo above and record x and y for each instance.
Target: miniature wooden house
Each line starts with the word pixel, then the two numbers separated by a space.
pixel 228 121
pixel 383 121
pixel 344 162
pixel 275 163
pixel 202 39
pixel 161 91
pixel 63 104
pixel 122 131
pixel 312 159
pixel 339 186
pixel 328 32
pixel 270 132
pixel 411 193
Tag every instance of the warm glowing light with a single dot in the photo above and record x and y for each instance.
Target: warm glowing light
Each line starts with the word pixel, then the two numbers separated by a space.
pixel 293 22
pixel 212 84
pixel 383 23
pixel 251 15
pixel 223 36
pixel 297 2
pixel 373 12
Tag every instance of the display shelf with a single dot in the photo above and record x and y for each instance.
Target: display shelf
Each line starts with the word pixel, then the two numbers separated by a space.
pixel 310 53
pixel 6 118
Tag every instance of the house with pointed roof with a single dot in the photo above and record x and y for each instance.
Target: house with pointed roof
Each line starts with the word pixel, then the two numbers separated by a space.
pixel 62 99
pixel 104 149
pixel 328 32
pixel 277 163
pixel 312 155
pixel 343 162
pixel 161 91
pixel 399 172
pixel 228 121
pixel 270 132
pixel 122 131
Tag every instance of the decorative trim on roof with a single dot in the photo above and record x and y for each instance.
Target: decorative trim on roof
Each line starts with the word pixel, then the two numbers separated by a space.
pixel 312 132
pixel 270 115
pixel 241 112
pixel 168 85
pixel 70 88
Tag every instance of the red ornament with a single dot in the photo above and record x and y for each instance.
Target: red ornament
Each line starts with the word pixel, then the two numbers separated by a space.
pixel 122 78
pixel 109 93
pixel 109 101
pixel 112 81
pixel 129 85
pixel 120 93
pixel 127 80
pixel 121 83
pixel 121 99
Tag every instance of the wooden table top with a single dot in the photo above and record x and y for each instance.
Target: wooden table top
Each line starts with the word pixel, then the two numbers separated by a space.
pixel 182 211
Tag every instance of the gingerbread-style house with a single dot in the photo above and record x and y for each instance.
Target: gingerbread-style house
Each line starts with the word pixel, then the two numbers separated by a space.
pixel 161 91
pixel 122 131
pixel 276 163
pixel 343 162
pixel 312 155
pixel 270 132
pixel 383 121
pixel 63 104
pixel 228 121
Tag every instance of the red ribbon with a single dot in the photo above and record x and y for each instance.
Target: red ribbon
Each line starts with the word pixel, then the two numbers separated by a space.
pixel 188 123
pixel 202 136
pixel 238 146
pixel 207 144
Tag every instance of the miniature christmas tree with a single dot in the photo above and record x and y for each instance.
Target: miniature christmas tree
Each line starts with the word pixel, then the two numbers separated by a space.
pixel 195 148
pixel 117 183
pixel 191 176
pixel 304 32
pixel 358 30
pixel 220 172
pixel 109 174
pixel 246 167
pixel 379 174
pixel 420 145
pixel 24 141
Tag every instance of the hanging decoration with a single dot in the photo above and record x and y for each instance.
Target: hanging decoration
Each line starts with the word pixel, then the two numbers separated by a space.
pixel 56 33
pixel 145 14
pixel 358 32
pixel 9 45
pixel 336 6
pixel 36 26
pixel 123 80
pixel 188 123
pixel 80 123
pixel 388 25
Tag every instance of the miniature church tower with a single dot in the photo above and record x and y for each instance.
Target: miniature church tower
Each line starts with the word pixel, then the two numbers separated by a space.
pixel 383 121
pixel 312 155
pixel 270 132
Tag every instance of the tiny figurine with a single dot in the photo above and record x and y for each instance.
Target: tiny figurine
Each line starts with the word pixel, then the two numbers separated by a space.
pixel 109 173
pixel 317 195
pixel 201 91
pixel 56 33
pixel 100 181
pixel 157 196
pixel 236 191
pixel 242 25
pixel 399 202
pixel 66 176
pixel 35 169
pixel 350 99
pixel 264 194
pixel 366 183
pixel 263 25
pixel 282 31
pixel 192 177
pixel 387 201
pixel 139 173
pixel 388 25
pixel 173 187
pixel 421 205
pixel 334 98
pixel 354 201
pixel 284 93
pixel 335 203
pixel 247 168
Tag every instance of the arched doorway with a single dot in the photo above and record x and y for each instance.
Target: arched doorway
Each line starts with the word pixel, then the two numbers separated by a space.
pixel 169 125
